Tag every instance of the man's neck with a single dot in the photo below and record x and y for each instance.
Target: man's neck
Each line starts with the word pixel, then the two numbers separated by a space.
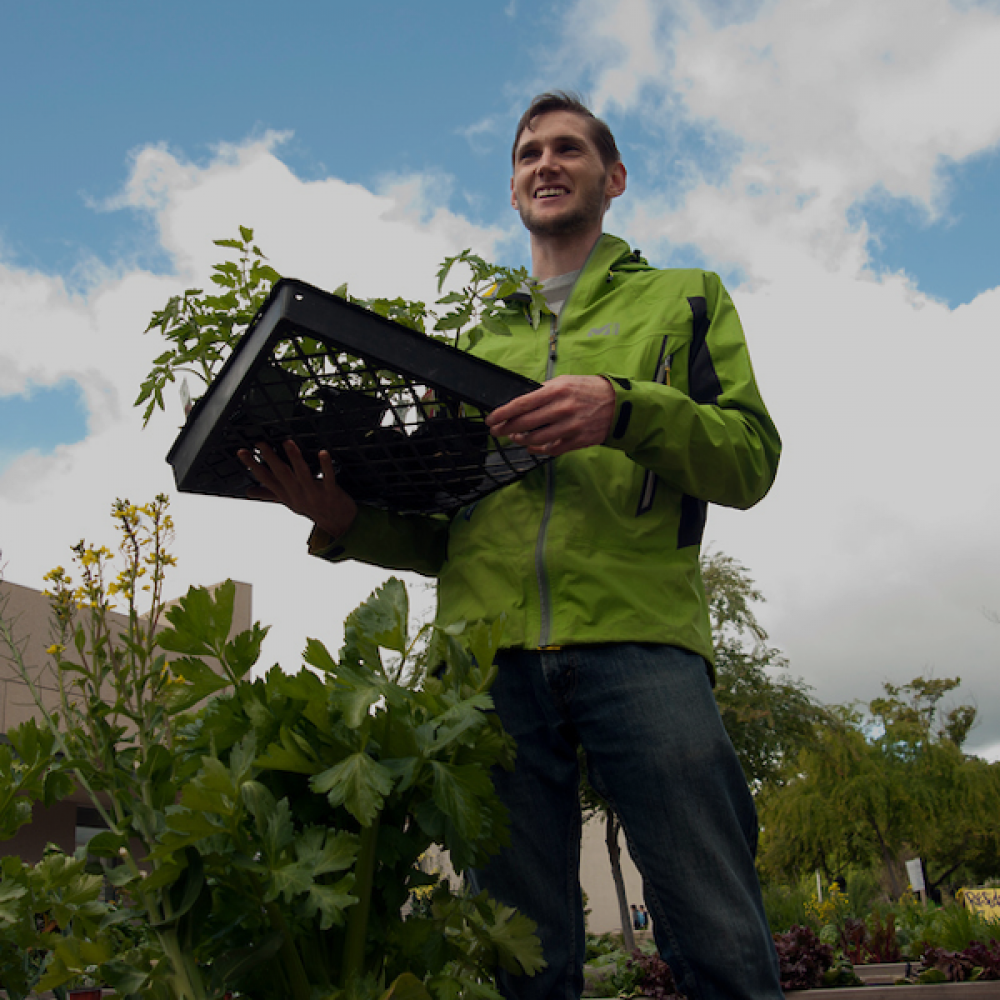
pixel 555 255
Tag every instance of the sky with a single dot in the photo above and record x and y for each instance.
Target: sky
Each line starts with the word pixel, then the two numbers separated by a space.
pixel 838 163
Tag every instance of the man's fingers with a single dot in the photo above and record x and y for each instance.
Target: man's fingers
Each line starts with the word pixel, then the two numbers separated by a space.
pixel 297 462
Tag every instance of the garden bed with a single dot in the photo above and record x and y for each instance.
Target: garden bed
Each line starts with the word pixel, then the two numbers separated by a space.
pixel 989 990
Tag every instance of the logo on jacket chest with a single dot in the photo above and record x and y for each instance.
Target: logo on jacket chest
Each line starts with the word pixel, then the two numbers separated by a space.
pixel 608 330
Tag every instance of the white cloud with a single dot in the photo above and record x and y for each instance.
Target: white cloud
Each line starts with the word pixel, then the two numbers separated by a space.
pixel 879 544
pixel 324 232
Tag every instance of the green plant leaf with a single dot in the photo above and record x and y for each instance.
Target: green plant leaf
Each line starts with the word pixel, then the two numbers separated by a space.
pixel 330 901
pixel 384 618
pixel 243 651
pixel 317 655
pixel 196 680
pixel 187 888
pixel 124 977
pixel 458 791
pixel 106 844
pixel 358 783
pixel 292 753
pixel 406 987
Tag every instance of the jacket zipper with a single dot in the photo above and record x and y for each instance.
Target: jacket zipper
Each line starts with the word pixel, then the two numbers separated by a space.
pixel 649 480
pixel 541 573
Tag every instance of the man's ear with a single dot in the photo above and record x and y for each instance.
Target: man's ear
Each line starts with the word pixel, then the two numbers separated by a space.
pixel 513 197
pixel 617 181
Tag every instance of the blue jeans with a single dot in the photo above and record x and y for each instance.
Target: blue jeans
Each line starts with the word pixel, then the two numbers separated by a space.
pixel 658 753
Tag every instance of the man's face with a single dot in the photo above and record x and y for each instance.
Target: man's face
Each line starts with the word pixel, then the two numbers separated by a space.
pixel 560 185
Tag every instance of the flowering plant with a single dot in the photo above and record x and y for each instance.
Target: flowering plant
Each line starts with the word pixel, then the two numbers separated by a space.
pixel 265 842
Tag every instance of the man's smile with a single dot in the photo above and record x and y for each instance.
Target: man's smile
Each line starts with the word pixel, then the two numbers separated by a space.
pixel 551 192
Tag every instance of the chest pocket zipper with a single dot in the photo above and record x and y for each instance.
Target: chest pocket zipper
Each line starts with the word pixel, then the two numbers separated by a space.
pixel 648 491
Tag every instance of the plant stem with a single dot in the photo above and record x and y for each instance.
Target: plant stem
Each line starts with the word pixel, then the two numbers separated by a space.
pixel 353 963
pixel 187 986
pixel 291 959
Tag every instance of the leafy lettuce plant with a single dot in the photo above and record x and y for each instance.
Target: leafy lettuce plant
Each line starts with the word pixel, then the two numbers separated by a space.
pixel 266 841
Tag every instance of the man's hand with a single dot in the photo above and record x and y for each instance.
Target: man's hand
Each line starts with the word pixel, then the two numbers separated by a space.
pixel 570 412
pixel 293 484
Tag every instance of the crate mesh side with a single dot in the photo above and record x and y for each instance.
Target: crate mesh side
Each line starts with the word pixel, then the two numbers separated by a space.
pixel 396 443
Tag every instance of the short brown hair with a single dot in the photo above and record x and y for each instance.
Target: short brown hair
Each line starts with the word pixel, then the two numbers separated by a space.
pixel 561 100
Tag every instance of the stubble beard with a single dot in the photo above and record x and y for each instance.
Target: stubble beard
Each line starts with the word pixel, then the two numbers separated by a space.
pixel 573 223
pixel 567 225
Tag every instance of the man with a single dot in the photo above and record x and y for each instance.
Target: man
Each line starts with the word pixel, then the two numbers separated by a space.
pixel 650 411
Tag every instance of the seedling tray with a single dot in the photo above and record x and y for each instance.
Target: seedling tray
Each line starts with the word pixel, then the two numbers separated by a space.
pixel 402 415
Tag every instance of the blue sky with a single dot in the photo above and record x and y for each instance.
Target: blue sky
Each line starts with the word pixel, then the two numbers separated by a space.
pixel 834 160
pixel 366 92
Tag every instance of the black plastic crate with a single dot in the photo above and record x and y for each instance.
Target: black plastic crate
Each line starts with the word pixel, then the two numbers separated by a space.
pixel 402 415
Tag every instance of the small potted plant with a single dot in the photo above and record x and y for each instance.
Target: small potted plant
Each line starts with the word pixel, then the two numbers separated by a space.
pixel 84 987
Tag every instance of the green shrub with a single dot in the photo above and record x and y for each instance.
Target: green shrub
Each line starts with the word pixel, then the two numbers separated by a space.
pixel 785 906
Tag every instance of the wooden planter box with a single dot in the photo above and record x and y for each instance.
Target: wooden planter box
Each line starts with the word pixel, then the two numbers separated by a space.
pixel 880 985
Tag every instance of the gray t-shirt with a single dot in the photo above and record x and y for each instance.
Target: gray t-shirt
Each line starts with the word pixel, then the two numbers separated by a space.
pixel 556 290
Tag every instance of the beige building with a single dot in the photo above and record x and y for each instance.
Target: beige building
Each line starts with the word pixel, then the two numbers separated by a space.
pixel 598 882
pixel 70 823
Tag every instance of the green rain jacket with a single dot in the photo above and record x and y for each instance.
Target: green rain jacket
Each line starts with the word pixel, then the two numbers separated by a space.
pixel 602 544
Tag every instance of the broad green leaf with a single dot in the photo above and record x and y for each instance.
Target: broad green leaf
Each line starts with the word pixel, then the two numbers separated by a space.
pixel 494 326
pixel 243 651
pixel 290 879
pixel 359 783
pixel 106 844
pixel 454 320
pixel 483 642
pixel 326 850
pixel 212 789
pixel 354 701
pixel 196 680
pixel 123 976
pixel 317 655
pixel 457 790
pixel 291 754
pixel 279 830
pixel 384 617
pixel 406 987
pixel 192 825
pixel 459 719
pixel 512 934
pixel 191 631
pixel 120 876
pixel 331 901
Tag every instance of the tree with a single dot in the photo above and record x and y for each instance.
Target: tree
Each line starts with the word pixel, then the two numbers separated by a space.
pixel 769 716
pixel 875 787
pixel 593 804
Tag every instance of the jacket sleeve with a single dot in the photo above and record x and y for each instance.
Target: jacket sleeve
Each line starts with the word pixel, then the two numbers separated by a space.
pixel 708 435
pixel 393 541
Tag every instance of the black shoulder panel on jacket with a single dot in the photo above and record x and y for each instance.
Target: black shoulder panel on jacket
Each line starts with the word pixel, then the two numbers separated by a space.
pixel 703 383
pixel 691 528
